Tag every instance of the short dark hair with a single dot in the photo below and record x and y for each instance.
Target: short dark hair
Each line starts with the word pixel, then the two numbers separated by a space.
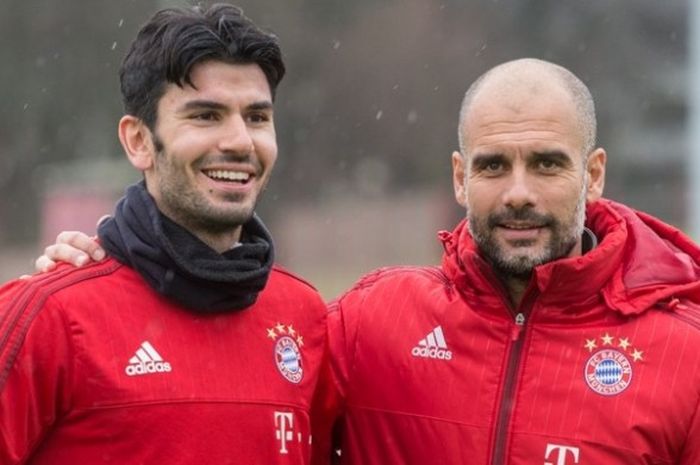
pixel 174 40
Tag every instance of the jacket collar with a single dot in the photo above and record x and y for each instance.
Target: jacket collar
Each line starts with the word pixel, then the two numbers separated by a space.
pixel 638 262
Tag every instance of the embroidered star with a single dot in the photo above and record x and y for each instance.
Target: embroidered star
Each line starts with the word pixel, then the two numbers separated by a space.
pixel 607 339
pixel 291 330
pixel 280 328
pixel 637 355
pixel 300 341
pixel 590 344
pixel 624 343
pixel 271 333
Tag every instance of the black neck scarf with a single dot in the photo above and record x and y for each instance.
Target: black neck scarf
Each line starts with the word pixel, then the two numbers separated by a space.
pixel 179 265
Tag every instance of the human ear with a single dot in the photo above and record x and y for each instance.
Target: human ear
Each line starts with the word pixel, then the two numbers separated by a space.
pixel 137 141
pixel 458 177
pixel 595 166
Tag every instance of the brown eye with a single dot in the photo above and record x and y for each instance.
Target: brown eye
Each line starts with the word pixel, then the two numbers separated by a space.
pixel 258 118
pixel 548 165
pixel 205 116
pixel 490 165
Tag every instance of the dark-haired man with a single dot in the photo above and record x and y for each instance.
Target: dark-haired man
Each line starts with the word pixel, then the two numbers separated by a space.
pixel 187 345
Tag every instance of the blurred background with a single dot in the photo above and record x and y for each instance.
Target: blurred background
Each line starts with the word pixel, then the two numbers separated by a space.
pixel 366 116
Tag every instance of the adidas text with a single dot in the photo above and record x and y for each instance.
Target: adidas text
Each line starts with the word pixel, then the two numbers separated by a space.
pixel 433 346
pixel 148 367
pixel 432 352
pixel 146 360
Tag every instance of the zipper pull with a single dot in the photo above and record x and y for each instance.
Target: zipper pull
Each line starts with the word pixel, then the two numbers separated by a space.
pixel 517 329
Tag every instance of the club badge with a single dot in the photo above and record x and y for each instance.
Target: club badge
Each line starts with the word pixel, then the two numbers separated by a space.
pixel 609 369
pixel 287 351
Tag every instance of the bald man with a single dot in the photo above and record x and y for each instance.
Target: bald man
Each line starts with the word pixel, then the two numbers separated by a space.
pixel 560 328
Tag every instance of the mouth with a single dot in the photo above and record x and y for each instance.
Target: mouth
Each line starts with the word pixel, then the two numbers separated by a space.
pixel 521 228
pixel 518 226
pixel 229 176
pixel 521 233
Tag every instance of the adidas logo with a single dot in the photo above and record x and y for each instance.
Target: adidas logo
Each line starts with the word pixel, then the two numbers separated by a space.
pixel 146 361
pixel 433 346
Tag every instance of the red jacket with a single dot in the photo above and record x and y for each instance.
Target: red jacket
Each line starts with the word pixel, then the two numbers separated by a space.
pixel 97 368
pixel 599 365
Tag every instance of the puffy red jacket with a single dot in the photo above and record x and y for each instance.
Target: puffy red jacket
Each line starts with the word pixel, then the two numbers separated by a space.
pixel 599 365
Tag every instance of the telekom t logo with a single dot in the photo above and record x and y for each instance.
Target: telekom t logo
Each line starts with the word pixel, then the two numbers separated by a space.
pixel 284 422
pixel 561 453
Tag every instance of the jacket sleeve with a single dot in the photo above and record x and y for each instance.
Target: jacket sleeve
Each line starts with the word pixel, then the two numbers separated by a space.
pixel 328 402
pixel 35 352
pixel 324 414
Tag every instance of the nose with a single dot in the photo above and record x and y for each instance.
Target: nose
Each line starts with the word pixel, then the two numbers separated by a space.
pixel 236 137
pixel 520 191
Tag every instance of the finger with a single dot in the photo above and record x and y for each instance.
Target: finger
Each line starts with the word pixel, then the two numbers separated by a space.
pixel 44 264
pixel 82 242
pixel 62 253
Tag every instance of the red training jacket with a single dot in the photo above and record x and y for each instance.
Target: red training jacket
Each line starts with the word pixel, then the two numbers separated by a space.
pixel 599 365
pixel 97 368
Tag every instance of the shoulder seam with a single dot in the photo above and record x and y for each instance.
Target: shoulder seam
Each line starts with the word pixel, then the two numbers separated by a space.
pixel 372 278
pixel 294 276
pixel 9 319
pixel 25 307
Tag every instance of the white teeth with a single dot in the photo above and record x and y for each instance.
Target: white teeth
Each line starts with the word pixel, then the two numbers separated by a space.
pixel 228 175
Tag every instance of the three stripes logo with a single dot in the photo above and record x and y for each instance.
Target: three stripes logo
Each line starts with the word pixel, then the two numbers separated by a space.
pixel 433 346
pixel 146 361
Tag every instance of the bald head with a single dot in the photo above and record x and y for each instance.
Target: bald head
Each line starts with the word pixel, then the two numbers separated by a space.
pixel 515 82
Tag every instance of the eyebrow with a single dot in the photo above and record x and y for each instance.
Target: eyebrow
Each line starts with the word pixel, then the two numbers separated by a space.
pixel 482 159
pixel 201 104
pixel 261 105
pixel 557 155
pixel 213 105
pixel 554 155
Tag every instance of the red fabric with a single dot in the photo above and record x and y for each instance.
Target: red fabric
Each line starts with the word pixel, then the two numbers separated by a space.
pixel 67 338
pixel 605 370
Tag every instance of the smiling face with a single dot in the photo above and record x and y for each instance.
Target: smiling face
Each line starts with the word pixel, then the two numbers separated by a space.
pixel 212 150
pixel 525 178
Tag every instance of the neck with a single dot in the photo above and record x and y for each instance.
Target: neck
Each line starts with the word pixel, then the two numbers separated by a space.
pixel 517 284
pixel 515 287
pixel 221 242
pixel 218 239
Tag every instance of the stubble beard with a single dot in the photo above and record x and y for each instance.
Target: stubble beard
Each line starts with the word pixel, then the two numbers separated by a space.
pixel 510 265
pixel 183 203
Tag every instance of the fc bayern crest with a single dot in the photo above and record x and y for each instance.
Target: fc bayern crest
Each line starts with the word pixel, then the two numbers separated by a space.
pixel 608 372
pixel 288 343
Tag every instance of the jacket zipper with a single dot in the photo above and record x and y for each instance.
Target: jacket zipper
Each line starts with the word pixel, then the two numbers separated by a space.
pixel 507 397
